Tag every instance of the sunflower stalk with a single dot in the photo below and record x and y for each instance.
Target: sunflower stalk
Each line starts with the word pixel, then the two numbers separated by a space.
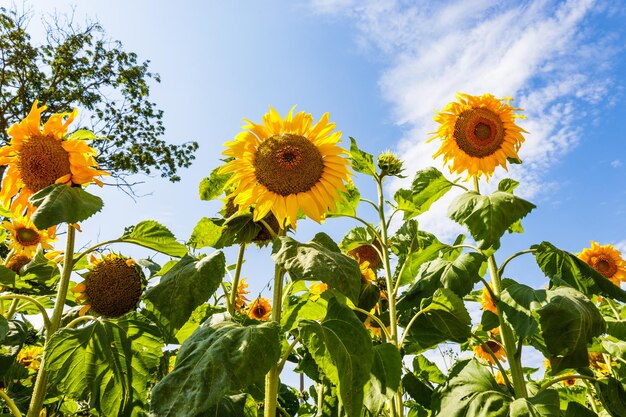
pixel 10 404
pixel 41 383
pixel 235 285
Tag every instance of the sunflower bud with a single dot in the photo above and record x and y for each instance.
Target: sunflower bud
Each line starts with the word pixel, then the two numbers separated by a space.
pixel 389 164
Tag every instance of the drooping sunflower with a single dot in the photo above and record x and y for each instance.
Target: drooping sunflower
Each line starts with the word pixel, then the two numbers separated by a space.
pixel 38 156
pixel 287 165
pixel 112 287
pixel 482 351
pixel 260 309
pixel 487 302
pixel 478 134
pixel 25 238
pixel 367 253
pixel 606 260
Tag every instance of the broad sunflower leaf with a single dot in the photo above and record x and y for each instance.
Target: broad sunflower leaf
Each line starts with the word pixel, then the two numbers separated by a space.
pixel 240 405
pixel 319 260
pixel 444 317
pixel 342 349
pixel 384 377
pixel 219 358
pixel 110 362
pixel 206 233
pixel 428 186
pixel 183 288
pixel 616 328
pixel 556 263
pixel 155 236
pixel 347 202
pixel 544 404
pixel 59 203
pixel 427 370
pixel 488 216
pixel 213 186
pixel 418 390
pixel 362 162
pixel 356 237
pixel 38 277
pixel 507 185
pixel 575 409
pixel 302 307
pixel 517 303
pixel 458 275
pixel 612 393
pixel 568 322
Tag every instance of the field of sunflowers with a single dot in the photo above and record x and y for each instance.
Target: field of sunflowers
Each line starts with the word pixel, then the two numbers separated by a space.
pixel 93 332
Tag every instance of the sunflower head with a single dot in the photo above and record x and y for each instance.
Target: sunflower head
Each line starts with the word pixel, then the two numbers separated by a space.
pixel 367 253
pixel 389 164
pixel 285 166
pixel 487 302
pixel 112 286
pixel 483 351
pixel 30 357
pixel 25 238
pixel 260 309
pixel 569 382
pixel 38 156
pixel 16 262
pixel 478 134
pixel 606 260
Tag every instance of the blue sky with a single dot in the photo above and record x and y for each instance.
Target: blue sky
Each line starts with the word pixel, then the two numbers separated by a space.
pixel 381 68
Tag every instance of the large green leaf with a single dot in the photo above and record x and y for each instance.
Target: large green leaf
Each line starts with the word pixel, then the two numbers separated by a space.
pixel 319 260
pixel 302 307
pixel 458 275
pixel 612 393
pixel 38 277
pixel 517 302
pixel 59 203
pixel 240 405
pixel 212 187
pixel 362 162
pixel 384 377
pixel 153 235
pixel 342 349
pixel 575 409
pixel 544 404
pixel 556 263
pixel 488 216
pixel 427 370
pixel 110 362
pixel 428 186
pixel 356 237
pixel 444 317
pixel 216 360
pixel 183 288
pixel 347 202
pixel 568 322
pixel 206 233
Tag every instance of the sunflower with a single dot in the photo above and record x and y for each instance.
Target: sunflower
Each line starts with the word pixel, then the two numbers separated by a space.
pixel 30 357
pixel 41 156
pixel 487 302
pixel 241 299
pixel 478 134
pixel 368 276
pixel 287 165
pixel 16 262
pixel 569 382
pixel 112 287
pixel 317 289
pixel 606 260
pixel 482 351
pixel 260 309
pixel 368 253
pixel 25 238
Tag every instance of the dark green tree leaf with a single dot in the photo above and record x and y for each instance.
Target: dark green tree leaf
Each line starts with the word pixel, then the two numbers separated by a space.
pixel 183 288
pixel 153 235
pixel 517 302
pixel 206 233
pixel 59 203
pixel 212 187
pixel 428 186
pixel 216 360
pixel 384 377
pixel 342 349
pixel 110 362
pixel 319 260
pixel 362 162
pixel 488 216
pixel 556 263
pixel 568 322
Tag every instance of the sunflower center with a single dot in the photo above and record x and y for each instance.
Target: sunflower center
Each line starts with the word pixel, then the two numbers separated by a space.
pixel 288 164
pixel 259 310
pixel 493 346
pixel 113 288
pixel 605 266
pixel 27 237
pixel 42 160
pixel 479 132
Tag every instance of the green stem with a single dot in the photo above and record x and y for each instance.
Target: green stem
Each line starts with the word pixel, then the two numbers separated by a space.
pixel 507 381
pixel 42 309
pixel 235 285
pixel 41 384
pixel 376 319
pixel 9 402
pixel 611 304
pixel 283 359
pixel 272 377
pixel 12 308
pixel 320 398
pixel 79 319
pixel 563 378
pixel 510 258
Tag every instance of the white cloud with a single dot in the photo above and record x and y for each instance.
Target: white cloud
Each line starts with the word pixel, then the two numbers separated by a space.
pixel 539 52
pixel 621 246
pixel 617 163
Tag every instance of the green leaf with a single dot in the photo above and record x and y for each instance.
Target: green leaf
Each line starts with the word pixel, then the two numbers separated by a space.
pixel 155 236
pixel 488 217
pixel 575 409
pixel 444 317
pixel 616 328
pixel 517 303
pixel 356 237
pixel 545 404
pixel 206 233
pixel 110 362
pixel 613 396
pixel 4 328
pixel 212 187
pixel 427 370
pixel 319 260
pixel 38 277
pixel 347 203
pixel 241 405
pixel 342 348
pixel 568 322
pixel 84 134
pixel 418 390
pixel 217 359
pixel 183 288
pixel 59 203
pixel 362 162
pixel 428 186
pixel 556 263
pixel 384 377
pixel 507 185
pixel 458 275
pixel 302 307
pixel 198 316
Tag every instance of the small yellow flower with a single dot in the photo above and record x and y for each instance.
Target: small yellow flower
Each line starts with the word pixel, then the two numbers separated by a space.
pixel 482 351
pixel 25 238
pixel 30 357
pixel 260 309
pixel 487 302
pixel 500 378
pixel 241 299
pixel 569 382
pixel 316 290
pixel 606 260
pixel 368 276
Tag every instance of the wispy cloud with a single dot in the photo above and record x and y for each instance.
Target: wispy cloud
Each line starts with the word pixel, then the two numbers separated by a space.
pixel 616 163
pixel 621 246
pixel 543 53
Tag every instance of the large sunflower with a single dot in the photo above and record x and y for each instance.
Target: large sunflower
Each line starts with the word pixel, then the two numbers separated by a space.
pixel 25 237
pixel 41 156
pixel 287 165
pixel 606 260
pixel 478 134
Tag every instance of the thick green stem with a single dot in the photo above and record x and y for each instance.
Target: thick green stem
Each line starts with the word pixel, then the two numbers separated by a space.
pixel 320 398
pixel 41 384
pixel 563 378
pixel 234 287
pixel 9 402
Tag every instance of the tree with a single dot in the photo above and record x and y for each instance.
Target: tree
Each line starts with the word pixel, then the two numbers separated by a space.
pixel 80 68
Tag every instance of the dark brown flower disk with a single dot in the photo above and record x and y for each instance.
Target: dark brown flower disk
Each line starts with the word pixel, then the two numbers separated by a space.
pixel 113 288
